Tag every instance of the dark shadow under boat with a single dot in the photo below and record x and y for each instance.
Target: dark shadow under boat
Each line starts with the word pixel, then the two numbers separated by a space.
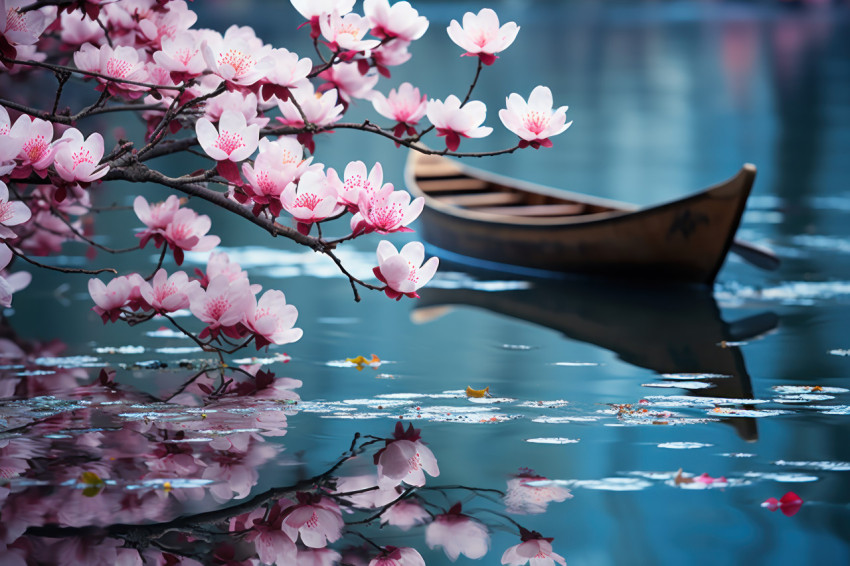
pixel 668 329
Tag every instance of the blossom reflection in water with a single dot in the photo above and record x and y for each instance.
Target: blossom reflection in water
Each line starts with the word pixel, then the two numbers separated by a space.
pixel 97 473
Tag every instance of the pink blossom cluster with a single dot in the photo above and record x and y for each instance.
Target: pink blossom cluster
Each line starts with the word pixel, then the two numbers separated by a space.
pixel 221 297
pixel 225 88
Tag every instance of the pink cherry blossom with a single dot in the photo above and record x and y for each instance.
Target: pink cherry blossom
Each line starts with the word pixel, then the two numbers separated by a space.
pixel 403 272
pixel 393 556
pixel 12 138
pixel 533 550
pixel 76 159
pixel 313 8
pixel 321 110
pixel 10 283
pixel 155 216
pixel 534 122
pixel 187 232
pixel 234 140
pixel 263 528
pixel 157 25
pixel 458 534
pixel 316 518
pixel 181 55
pixel 166 294
pixel 237 57
pixel 110 298
pixel 388 55
pixel 219 263
pixel 356 182
pixel 287 71
pixel 405 514
pixel 12 213
pixel 481 35
pixel 405 458
pixel 243 103
pixel 346 32
pixel 122 62
pixel 530 493
pixel 272 320
pixel 386 211
pixel 77 30
pixel 404 105
pixel 347 79
pixel 21 28
pixel 453 120
pixel 400 20
pixel 37 151
pixel 222 304
pixel 278 163
pixel 314 199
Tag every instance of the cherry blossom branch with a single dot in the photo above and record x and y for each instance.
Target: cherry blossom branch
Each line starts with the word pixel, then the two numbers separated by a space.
pixel 63 68
pixel 21 255
pixel 140 173
pixel 85 238
pixel 158 263
pixel 62 77
pixel 474 82
pixel 68 120
pixel 353 281
pixel 377 515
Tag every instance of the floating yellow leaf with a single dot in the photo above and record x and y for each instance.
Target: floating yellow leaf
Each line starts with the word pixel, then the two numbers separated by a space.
pixel 362 362
pixel 477 393
pixel 92 482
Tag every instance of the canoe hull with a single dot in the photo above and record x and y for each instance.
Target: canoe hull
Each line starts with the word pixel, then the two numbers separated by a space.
pixel 686 240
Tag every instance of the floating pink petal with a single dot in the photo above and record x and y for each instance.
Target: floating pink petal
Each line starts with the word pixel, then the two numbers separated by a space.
pixel 789 504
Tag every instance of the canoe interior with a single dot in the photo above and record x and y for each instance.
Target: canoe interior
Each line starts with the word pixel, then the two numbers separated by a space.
pixel 448 184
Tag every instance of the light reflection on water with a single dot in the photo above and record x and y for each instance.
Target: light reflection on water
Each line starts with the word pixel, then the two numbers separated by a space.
pixel 666 100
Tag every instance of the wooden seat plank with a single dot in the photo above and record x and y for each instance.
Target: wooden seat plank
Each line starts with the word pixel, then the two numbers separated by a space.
pixel 536 210
pixel 461 184
pixel 483 199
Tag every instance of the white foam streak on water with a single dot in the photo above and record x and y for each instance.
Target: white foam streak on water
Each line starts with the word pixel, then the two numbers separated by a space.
pixel 552 440
pixel 822 465
pixel 680 385
pixel 789 293
pixel 683 445
pixel 692 376
pixel 561 420
pixel 612 484
pixel 794 389
pixel 684 401
pixel 120 350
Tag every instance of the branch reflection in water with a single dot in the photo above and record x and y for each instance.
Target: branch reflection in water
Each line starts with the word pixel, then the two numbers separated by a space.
pixel 97 473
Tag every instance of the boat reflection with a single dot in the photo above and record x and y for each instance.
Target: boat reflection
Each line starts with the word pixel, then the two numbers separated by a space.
pixel 672 329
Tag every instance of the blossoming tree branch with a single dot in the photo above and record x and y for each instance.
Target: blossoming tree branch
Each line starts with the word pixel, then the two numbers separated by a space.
pixel 255 112
pixel 245 117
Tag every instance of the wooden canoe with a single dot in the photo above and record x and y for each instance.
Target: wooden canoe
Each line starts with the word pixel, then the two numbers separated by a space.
pixel 496 222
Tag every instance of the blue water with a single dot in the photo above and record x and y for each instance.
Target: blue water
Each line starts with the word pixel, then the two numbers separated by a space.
pixel 666 97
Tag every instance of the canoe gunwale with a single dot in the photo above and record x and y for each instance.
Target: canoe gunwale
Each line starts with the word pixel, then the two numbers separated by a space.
pixel 621 208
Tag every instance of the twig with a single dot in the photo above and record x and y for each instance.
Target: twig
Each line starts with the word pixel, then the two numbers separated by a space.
pixel 62 269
